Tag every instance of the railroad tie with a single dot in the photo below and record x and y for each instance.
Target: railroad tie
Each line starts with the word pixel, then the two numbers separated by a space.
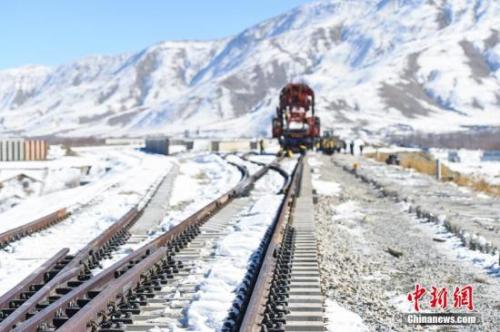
pixel 305 303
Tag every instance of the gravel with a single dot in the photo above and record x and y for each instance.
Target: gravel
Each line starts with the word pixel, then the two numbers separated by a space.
pixel 359 232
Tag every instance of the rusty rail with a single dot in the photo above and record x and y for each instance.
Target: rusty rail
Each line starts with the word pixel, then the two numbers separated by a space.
pixel 93 252
pixel 253 315
pixel 33 227
pixel 274 166
pixel 26 308
pixel 22 290
pixel 76 270
pixel 19 301
pixel 115 282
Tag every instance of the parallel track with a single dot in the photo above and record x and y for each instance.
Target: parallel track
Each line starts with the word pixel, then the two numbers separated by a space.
pixel 63 273
pixel 35 226
pixel 130 280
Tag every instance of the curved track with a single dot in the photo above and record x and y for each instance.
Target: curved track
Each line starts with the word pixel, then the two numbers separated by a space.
pixel 141 271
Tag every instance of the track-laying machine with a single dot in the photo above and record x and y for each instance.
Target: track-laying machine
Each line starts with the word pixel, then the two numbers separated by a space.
pixel 295 125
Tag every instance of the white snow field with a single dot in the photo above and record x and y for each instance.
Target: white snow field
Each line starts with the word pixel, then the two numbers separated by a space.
pixel 377 67
pixel 27 179
pixel 130 180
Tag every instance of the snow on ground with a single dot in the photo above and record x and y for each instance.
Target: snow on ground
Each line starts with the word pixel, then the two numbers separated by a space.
pixel 121 190
pixel 454 249
pixel 21 180
pixel 341 319
pixel 251 167
pixel 262 158
pixel 470 162
pixel 233 254
pixel 289 164
pixel 359 272
pixel 109 167
pixel 327 188
pixel 172 149
pixel 201 179
pixel 322 187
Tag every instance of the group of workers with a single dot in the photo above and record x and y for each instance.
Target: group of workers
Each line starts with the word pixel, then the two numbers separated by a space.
pixel 360 146
pixel 352 146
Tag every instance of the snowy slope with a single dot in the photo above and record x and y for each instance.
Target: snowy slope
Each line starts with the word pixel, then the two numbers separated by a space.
pixel 377 66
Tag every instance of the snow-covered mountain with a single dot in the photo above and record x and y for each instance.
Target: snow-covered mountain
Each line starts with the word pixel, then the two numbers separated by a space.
pixel 377 67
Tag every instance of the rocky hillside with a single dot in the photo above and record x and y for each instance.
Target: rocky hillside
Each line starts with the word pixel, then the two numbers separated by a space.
pixel 378 68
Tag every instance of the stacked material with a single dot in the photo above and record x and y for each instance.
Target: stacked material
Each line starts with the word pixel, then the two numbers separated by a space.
pixel 19 149
pixel 230 146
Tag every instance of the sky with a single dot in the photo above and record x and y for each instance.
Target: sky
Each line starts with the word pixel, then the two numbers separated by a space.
pixel 52 32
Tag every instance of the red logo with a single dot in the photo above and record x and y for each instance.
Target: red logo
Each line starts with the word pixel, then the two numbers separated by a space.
pixel 462 297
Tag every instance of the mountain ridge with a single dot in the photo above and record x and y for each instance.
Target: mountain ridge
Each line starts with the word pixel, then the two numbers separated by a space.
pixel 378 68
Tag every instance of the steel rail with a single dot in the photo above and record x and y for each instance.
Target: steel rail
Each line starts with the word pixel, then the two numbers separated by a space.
pixel 24 310
pixel 254 311
pixel 86 259
pixel 274 166
pixel 66 304
pixel 76 270
pixel 30 284
pixel 38 225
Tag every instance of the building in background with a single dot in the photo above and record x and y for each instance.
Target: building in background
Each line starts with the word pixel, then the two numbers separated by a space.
pixel 20 149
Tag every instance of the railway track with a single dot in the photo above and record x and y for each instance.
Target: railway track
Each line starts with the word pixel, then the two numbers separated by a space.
pixel 286 293
pixel 35 226
pixel 106 300
pixel 62 273
pixel 47 221
pixel 152 286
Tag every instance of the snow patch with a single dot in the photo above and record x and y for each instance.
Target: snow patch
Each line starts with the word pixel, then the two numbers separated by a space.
pixel 342 319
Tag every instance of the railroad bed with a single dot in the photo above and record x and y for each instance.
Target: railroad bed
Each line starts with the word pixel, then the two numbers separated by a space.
pixel 473 217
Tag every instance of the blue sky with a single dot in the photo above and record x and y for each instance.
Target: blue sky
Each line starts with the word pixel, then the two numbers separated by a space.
pixel 52 32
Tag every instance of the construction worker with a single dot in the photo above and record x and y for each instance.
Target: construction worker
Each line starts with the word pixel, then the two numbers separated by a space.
pixel 303 149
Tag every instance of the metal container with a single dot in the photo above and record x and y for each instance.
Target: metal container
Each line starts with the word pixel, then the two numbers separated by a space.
pixel 159 145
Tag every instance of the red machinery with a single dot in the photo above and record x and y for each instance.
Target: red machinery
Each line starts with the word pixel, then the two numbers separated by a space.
pixel 295 125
